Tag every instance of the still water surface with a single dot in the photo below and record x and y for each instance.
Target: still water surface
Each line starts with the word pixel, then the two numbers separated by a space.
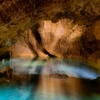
pixel 25 93
pixel 80 82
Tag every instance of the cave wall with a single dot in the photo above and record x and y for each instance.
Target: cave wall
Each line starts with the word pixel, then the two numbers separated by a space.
pixel 96 30
pixel 21 49
pixel 64 39
pixel 27 47
pixel 64 28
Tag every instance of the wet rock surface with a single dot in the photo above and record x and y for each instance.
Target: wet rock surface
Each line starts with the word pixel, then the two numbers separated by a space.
pixel 6 72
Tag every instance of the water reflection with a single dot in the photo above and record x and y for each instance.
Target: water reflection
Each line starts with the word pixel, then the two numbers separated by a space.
pixel 54 79
pixel 59 66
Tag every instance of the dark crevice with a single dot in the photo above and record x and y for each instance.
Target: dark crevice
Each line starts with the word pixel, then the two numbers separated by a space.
pixel 46 52
pixel 36 33
pixel 6 55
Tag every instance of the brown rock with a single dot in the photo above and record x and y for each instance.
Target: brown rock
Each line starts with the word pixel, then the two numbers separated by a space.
pixel 6 72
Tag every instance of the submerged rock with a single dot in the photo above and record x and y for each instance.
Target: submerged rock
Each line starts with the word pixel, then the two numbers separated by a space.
pixel 6 72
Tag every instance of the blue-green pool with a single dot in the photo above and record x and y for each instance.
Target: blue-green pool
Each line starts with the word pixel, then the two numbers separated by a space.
pixel 24 92
pixel 52 88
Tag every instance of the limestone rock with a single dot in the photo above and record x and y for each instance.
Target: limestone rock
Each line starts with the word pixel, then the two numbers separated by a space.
pixel 6 72
pixel 77 21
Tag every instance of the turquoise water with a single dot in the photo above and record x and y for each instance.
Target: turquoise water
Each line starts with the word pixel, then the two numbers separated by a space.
pixel 32 91
pixel 26 93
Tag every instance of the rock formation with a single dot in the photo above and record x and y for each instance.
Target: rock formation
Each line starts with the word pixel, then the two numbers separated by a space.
pixel 61 28
pixel 6 72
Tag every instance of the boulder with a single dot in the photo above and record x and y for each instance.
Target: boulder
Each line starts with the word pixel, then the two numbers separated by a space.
pixel 6 72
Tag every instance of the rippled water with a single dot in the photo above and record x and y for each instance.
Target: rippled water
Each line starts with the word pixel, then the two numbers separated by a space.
pixel 82 82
